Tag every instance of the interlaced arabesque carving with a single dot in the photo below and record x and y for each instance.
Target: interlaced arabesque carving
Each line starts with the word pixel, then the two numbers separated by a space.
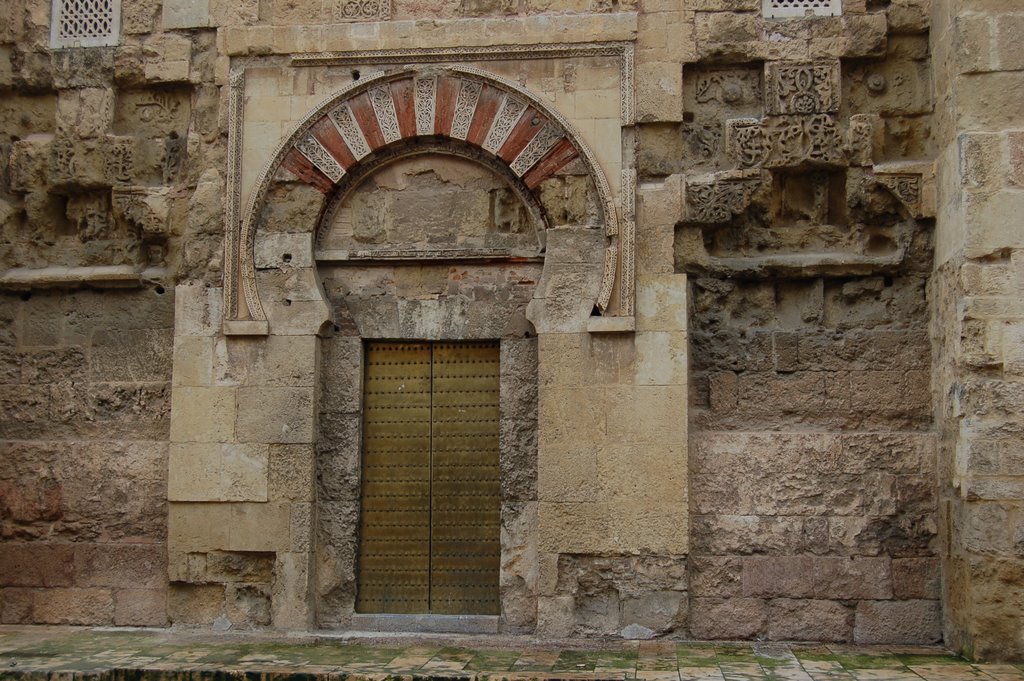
pixel 802 88
pixel 79 20
pixel 783 141
pixel 358 10
pixel 717 202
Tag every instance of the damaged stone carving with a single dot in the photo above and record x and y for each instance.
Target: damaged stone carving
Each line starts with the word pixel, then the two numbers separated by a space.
pixel 717 200
pixel 801 88
pixel 782 141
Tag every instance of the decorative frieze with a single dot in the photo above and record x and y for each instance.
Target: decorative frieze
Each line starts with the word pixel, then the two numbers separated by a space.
pixel 465 107
pixel 146 209
pixel 541 144
pixel 426 89
pixel 91 215
pixel 119 161
pixel 62 166
pixel 906 188
pixel 860 138
pixel 360 10
pixel 703 142
pixel 785 141
pixel 801 88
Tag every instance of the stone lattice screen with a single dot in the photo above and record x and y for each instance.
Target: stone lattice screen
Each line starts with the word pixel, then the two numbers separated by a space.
pixel 85 23
pixel 799 8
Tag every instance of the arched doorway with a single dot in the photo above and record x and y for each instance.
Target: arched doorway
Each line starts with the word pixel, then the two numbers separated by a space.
pixel 440 211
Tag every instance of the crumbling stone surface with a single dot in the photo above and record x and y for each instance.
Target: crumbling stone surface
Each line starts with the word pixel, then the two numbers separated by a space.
pixel 609 593
pixel 811 443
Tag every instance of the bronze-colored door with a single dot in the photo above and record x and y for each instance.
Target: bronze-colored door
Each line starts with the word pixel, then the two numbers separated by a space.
pixel 431 491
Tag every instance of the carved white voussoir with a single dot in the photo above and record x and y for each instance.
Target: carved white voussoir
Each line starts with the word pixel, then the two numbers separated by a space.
pixel 541 144
pixel 465 107
pixel 309 147
pixel 346 123
pixel 384 109
pixel 508 115
pixel 425 94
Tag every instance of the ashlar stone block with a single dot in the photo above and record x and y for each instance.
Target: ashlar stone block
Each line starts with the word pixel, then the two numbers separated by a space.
pixel 915 621
pixel 259 527
pixel 659 95
pixel 576 527
pixel 198 310
pixel 275 415
pixel 193 361
pixel 201 414
pixel 290 606
pixel 648 414
pixel 661 358
pixel 186 13
pixel 217 472
pixel 661 302
pixel 284 361
pixel 283 249
pixel 196 527
pixel 567 473
pixel 570 416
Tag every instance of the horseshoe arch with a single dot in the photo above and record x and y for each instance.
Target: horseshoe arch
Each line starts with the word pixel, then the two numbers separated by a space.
pixel 480 109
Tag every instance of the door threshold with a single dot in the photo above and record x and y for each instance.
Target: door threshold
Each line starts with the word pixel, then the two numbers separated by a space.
pixel 427 623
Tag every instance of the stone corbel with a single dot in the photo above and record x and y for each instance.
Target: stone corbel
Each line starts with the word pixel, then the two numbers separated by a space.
pixel 912 183
pixel 145 208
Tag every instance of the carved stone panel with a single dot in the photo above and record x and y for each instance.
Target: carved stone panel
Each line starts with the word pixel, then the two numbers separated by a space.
pixel 710 91
pixel 906 188
pixel 801 88
pixel 90 213
pixel 785 141
pixel 360 10
pixel 713 200
pixel 702 143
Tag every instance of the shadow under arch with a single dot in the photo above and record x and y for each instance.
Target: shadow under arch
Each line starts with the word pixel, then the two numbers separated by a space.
pixel 501 121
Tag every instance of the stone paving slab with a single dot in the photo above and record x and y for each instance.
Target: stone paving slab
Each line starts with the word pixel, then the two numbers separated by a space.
pixel 73 653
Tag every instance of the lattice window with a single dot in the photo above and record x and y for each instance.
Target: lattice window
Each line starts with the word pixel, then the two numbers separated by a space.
pixel 800 8
pixel 85 23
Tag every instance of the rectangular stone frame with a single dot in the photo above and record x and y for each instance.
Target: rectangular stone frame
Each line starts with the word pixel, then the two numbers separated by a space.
pixel 237 320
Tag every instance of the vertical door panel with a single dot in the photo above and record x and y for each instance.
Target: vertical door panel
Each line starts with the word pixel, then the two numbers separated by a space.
pixel 465 479
pixel 394 555
pixel 431 490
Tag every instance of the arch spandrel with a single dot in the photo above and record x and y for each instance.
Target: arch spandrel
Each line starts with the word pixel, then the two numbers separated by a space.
pixel 499 119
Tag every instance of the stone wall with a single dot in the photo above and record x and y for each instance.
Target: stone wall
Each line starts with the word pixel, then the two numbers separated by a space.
pixel 826 320
pixel 84 413
pixel 812 465
pixel 800 170
pixel 976 298
pixel 101 153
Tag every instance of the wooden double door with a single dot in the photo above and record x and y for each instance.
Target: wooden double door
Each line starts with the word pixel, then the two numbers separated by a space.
pixel 430 517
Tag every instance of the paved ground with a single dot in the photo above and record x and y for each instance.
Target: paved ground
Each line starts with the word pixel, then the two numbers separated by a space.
pixel 125 655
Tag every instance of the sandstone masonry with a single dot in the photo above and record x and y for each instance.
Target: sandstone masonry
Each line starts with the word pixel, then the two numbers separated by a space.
pixel 755 285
